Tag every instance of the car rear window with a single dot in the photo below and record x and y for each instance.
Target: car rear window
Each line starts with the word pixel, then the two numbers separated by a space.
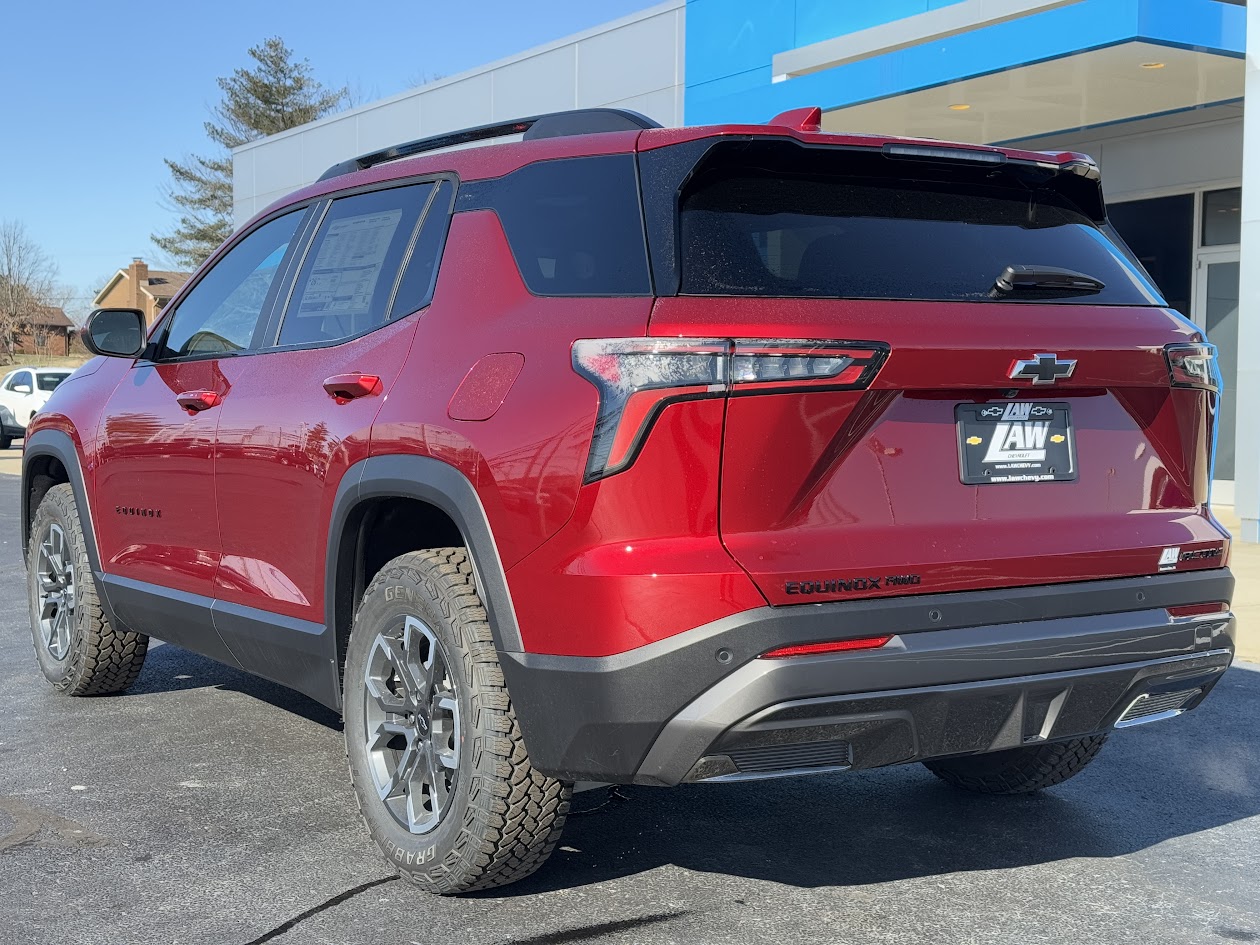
pixel 50 381
pixel 754 228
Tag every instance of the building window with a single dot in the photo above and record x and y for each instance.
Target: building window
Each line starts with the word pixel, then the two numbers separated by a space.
pixel 1222 217
pixel 1160 231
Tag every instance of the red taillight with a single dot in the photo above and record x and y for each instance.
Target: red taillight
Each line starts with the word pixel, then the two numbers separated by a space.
pixel 834 646
pixel 1198 610
pixel 638 377
pixel 1193 365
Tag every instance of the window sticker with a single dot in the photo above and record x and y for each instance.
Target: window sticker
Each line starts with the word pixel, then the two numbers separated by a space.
pixel 348 264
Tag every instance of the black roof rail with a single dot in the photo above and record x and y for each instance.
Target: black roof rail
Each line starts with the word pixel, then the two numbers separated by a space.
pixel 581 121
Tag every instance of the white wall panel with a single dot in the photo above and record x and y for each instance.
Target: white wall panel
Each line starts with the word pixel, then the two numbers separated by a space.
pixel 1173 153
pixel 542 83
pixel 334 137
pixel 278 166
pixel 389 124
pixel 1247 449
pixel 635 62
pixel 454 105
pixel 632 60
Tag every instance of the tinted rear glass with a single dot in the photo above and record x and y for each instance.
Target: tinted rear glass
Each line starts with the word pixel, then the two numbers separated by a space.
pixel 50 381
pixel 762 230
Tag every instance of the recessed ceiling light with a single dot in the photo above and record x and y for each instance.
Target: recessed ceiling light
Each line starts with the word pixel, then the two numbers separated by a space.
pixel 960 107
pixel 1152 65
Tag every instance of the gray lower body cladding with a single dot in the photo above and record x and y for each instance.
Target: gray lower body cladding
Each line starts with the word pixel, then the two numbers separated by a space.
pixel 965 672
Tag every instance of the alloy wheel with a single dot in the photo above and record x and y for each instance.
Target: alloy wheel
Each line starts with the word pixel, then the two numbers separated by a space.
pixel 411 724
pixel 55 573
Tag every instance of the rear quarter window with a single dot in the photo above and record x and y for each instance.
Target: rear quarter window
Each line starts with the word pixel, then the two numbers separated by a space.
pixel 574 225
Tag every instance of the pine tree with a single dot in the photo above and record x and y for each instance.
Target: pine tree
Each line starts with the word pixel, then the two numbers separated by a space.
pixel 276 94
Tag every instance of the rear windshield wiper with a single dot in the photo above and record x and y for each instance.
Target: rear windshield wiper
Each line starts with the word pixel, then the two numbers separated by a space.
pixel 1044 279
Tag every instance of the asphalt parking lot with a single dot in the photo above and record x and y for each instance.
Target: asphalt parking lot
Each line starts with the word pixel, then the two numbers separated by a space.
pixel 206 806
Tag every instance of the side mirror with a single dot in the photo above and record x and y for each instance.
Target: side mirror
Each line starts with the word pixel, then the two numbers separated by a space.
pixel 115 332
pixel 21 388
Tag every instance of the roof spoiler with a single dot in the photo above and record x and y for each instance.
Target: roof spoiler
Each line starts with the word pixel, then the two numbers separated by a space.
pixel 582 121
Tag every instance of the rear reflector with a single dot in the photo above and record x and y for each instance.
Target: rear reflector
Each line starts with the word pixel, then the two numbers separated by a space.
pixel 1198 610
pixel 835 646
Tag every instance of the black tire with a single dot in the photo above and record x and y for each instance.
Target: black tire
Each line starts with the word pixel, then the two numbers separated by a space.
pixel 5 442
pixel 491 818
pixel 1019 770
pixel 86 655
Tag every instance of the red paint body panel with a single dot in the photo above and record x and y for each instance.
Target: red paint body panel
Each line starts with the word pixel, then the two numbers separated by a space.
pixel 526 462
pixel 641 559
pixel 154 455
pixel 283 446
pixel 861 485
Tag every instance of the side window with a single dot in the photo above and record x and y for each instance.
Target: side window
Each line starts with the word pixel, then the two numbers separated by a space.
pixel 20 378
pixel 221 312
pixel 415 290
pixel 351 269
pixel 575 226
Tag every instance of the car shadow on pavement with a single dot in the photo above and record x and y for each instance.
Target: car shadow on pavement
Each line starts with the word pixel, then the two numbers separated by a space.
pixel 1148 785
pixel 169 668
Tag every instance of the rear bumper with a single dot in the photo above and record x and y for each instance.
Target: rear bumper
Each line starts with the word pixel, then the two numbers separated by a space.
pixel 967 672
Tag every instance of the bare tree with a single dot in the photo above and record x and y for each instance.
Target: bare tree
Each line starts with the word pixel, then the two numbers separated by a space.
pixel 28 279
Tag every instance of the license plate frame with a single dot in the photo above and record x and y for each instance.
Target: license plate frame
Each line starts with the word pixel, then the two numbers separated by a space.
pixel 1015 442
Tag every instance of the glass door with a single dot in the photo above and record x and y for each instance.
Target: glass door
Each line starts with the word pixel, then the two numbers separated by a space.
pixel 1216 312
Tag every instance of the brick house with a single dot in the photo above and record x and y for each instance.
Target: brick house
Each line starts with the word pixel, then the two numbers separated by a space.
pixel 140 287
pixel 52 333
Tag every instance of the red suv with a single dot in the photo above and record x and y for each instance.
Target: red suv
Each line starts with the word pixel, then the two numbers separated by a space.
pixel 626 454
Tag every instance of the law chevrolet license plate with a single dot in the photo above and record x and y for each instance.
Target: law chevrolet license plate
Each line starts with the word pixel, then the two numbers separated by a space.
pixel 1017 441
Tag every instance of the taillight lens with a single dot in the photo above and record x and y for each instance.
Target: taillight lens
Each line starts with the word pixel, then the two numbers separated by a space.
pixel 1193 365
pixel 638 377
pixel 764 367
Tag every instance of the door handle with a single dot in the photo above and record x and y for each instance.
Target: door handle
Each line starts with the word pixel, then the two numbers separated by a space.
pixel 195 401
pixel 347 387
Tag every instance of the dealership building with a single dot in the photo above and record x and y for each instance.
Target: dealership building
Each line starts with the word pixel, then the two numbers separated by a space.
pixel 1153 89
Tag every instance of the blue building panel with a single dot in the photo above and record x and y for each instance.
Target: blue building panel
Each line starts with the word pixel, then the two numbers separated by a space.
pixel 729 58
pixel 727 37
pixel 818 20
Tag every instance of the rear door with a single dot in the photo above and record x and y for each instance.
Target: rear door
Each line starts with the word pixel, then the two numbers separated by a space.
pixel 1001 436
pixel 301 414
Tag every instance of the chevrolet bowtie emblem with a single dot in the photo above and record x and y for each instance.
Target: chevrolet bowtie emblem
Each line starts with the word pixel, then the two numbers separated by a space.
pixel 1042 369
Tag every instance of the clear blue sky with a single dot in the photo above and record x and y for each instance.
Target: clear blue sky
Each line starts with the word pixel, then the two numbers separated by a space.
pixel 96 94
